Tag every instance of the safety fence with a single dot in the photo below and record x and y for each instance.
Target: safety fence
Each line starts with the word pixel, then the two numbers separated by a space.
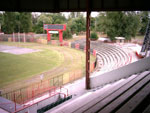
pixel 25 94
pixel 37 100
pixel 29 95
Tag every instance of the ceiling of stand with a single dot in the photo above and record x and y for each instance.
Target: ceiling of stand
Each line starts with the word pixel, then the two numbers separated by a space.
pixel 73 5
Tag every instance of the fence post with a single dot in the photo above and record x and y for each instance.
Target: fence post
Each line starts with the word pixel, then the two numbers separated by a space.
pixel 13 37
pixel 24 38
pixel 19 37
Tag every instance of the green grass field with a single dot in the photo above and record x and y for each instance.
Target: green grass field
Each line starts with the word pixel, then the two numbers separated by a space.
pixel 21 70
pixel 15 67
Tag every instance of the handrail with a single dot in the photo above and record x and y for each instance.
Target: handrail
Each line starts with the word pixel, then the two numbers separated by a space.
pixel 49 92
pixel 36 96
pixel 26 106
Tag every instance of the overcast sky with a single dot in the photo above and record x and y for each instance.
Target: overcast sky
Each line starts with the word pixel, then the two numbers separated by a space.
pixel 93 14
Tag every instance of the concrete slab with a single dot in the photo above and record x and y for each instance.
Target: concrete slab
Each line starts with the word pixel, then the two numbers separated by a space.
pixel 3 111
pixel 16 50
pixel 8 105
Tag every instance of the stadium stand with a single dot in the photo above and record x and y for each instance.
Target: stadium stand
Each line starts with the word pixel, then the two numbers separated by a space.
pixel 129 94
pixel 140 82
pixel 109 56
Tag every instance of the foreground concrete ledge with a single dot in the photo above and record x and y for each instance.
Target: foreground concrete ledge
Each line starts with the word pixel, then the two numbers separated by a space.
pixel 123 72
pixel 8 105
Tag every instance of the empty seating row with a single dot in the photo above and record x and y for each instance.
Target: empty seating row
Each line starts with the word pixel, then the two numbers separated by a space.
pixel 124 96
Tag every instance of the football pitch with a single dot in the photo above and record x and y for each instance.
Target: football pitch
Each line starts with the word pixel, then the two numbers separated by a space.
pixel 22 64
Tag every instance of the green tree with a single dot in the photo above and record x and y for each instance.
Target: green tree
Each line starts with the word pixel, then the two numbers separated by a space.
pixel 77 24
pixel 1 20
pixel 58 18
pixel 67 34
pixel 17 23
pixel 92 24
pixel 42 19
pixel 45 18
pixel 94 36
pixel 125 24
pixel 75 15
pixel 72 15
pixel 9 22
pixel 100 22
pixel 25 22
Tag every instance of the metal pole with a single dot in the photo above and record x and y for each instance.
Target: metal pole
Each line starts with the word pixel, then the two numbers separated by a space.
pixel 24 37
pixel 88 47
pixel 15 101
pixel 13 37
pixel 18 37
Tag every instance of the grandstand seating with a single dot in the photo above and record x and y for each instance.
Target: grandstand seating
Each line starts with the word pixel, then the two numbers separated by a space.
pixel 109 56
pixel 123 96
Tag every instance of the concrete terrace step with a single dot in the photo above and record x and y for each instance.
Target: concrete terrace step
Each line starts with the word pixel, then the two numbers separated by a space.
pixel 110 56
pixel 101 99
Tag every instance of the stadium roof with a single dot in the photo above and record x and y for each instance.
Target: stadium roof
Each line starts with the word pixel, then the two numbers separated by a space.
pixel 73 5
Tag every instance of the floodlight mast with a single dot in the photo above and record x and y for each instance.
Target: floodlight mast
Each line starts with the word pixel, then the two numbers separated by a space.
pixel 145 51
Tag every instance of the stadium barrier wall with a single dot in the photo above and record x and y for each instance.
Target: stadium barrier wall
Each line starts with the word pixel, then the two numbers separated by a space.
pixel 120 73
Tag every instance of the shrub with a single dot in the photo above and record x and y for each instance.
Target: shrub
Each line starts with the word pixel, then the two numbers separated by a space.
pixel 67 34
pixel 94 36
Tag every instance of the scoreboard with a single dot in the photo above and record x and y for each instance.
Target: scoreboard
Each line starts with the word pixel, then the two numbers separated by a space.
pixel 54 27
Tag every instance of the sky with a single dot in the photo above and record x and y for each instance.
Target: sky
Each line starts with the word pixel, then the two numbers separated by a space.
pixel 93 14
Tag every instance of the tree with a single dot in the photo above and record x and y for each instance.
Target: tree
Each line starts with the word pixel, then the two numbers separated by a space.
pixel 25 22
pixel 75 15
pixel 9 22
pixel 124 24
pixel 77 24
pixel 1 20
pixel 94 36
pixel 144 22
pixel 58 18
pixel 42 19
pixel 67 34
pixel 17 22
pixel 45 18
pixel 100 22
pixel 92 24
pixel 72 15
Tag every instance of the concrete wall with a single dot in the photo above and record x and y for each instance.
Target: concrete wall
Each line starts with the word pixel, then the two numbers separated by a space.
pixel 123 72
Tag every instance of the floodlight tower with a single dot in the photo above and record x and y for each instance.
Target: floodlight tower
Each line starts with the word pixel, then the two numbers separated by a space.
pixel 145 51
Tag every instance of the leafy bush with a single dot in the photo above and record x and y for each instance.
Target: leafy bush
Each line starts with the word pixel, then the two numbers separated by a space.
pixel 54 104
pixel 67 34
pixel 94 36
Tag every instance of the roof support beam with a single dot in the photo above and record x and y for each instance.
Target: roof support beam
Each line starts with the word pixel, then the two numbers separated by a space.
pixel 88 46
